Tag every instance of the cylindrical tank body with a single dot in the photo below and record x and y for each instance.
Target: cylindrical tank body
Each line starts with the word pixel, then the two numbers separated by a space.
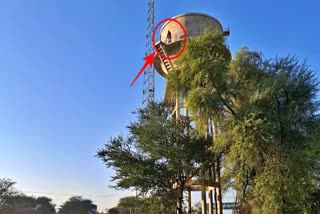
pixel 194 23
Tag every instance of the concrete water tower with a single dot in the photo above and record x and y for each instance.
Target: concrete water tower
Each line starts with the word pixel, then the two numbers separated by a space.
pixel 195 24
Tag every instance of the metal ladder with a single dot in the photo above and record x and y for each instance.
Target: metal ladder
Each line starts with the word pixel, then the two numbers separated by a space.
pixel 167 63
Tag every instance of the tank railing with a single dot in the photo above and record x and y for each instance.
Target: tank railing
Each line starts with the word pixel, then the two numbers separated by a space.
pixel 180 36
pixel 175 37
pixel 226 31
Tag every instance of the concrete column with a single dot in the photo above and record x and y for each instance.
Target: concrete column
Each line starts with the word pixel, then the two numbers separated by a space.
pixel 177 106
pixel 217 172
pixel 210 202
pixel 203 202
pixel 218 189
pixel 189 201
pixel 210 193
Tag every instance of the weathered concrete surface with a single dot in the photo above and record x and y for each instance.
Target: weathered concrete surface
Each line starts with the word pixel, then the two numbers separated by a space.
pixel 194 24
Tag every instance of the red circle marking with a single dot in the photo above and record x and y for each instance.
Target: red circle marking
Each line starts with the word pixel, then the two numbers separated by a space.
pixel 184 43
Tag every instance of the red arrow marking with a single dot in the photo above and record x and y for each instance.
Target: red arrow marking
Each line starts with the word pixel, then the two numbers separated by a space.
pixel 149 60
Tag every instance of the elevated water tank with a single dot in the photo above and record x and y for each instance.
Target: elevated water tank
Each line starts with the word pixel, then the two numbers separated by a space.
pixel 195 24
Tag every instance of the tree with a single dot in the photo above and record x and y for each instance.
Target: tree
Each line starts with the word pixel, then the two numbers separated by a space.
pixel 266 114
pixel 130 201
pixel 201 78
pixel 21 204
pixel 14 202
pixel 158 157
pixel 273 145
pixel 113 210
pixel 154 205
pixel 6 191
pixel 137 205
pixel 45 206
pixel 130 205
pixel 78 205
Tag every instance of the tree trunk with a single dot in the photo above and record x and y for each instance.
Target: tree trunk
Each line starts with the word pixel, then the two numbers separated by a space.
pixel 180 201
pixel 218 192
pixel 217 173
pixel 213 171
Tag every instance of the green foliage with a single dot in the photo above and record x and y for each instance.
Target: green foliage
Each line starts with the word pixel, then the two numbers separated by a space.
pixel 315 201
pixel 113 210
pixel 272 140
pixel 45 205
pixel 139 205
pixel 158 157
pixel 267 116
pixel 130 201
pixel 154 205
pixel 25 204
pixel 14 202
pixel 6 191
pixel 201 78
pixel 77 205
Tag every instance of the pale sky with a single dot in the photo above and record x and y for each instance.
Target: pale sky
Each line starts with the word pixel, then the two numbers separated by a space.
pixel 66 67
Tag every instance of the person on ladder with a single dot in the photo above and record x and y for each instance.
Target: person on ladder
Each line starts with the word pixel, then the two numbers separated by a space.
pixel 169 37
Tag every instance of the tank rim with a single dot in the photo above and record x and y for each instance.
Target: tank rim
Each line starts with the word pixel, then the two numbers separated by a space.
pixel 192 14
